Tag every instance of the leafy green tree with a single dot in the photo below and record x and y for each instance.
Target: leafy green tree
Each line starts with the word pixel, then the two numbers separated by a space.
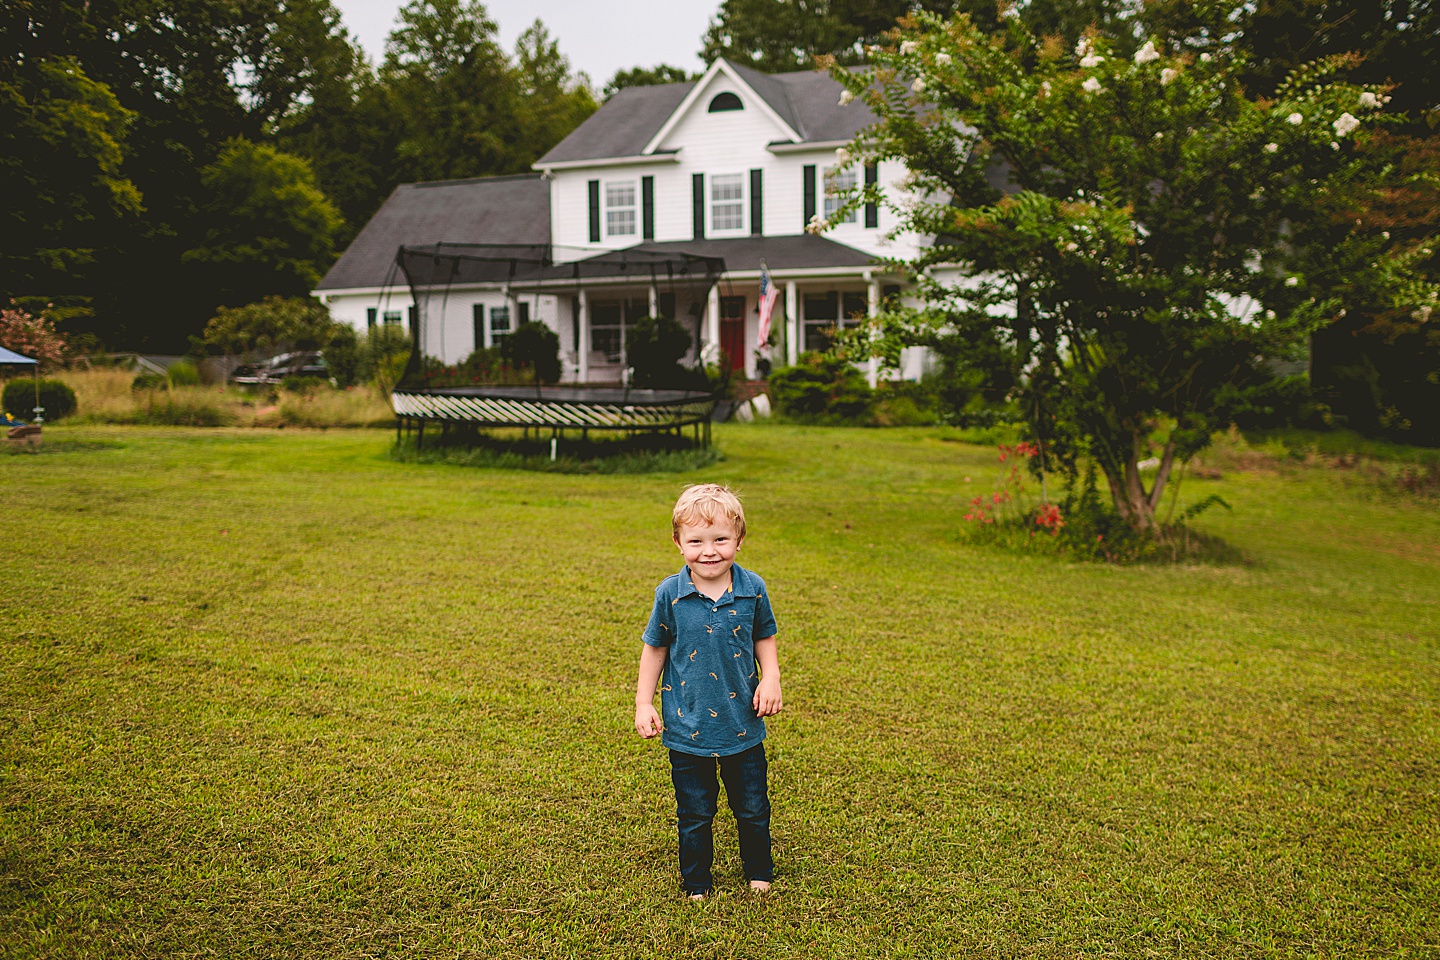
pixel 271 326
pixel 272 230
pixel 644 77
pixel 553 99
pixel 1152 241
pixel 781 35
pixel 62 149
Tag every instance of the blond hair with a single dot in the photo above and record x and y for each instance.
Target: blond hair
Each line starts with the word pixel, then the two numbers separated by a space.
pixel 708 503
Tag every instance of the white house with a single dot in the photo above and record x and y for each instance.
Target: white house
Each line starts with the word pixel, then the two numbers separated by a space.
pixel 731 166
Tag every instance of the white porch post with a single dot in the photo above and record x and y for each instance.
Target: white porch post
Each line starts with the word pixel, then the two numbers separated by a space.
pixel 583 351
pixel 872 308
pixel 654 300
pixel 792 317
pixel 712 321
pixel 486 340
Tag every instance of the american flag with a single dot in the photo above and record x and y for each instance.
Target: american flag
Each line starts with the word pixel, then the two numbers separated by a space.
pixel 767 302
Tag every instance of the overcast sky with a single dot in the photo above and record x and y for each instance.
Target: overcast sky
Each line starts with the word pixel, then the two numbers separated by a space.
pixel 598 36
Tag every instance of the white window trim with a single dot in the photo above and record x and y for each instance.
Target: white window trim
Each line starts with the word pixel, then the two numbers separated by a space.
pixel 830 199
pixel 744 201
pixel 634 208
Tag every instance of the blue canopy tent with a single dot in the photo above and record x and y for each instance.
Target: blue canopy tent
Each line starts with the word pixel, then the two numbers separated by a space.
pixel 11 358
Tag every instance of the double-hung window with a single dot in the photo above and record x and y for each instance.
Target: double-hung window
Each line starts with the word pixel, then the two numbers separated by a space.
pixel 499 323
pixel 838 182
pixel 620 208
pixel 727 202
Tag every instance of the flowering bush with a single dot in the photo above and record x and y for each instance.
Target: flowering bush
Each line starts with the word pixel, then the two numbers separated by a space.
pixel 1011 503
pixel 34 337
pixel 1147 247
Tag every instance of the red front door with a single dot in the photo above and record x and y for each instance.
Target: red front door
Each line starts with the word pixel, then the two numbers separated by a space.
pixel 732 331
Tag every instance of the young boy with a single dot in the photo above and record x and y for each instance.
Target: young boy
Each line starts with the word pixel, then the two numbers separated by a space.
pixel 712 635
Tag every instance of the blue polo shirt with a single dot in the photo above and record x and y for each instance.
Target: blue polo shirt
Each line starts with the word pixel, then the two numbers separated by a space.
pixel 707 692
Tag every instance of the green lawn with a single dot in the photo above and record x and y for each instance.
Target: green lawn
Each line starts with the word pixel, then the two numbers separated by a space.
pixel 271 694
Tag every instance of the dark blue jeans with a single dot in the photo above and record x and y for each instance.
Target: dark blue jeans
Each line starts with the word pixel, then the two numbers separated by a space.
pixel 696 793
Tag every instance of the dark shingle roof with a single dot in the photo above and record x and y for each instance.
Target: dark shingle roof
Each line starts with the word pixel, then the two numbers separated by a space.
pixel 494 210
pixel 799 252
pixel 809 101
pixel 622 126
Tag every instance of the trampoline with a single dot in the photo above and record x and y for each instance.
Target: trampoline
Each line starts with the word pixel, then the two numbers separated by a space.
pixel 431 270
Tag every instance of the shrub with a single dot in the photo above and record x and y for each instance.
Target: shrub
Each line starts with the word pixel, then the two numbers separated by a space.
pixel 302 384
pixel 533 346
pixel 821 387
pixel 149 381
pixel 654 346
pixel 57 399
pixel 183 374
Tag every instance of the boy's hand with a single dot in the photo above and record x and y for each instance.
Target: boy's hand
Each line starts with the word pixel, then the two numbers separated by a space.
pixel 767 698
pixel 647 721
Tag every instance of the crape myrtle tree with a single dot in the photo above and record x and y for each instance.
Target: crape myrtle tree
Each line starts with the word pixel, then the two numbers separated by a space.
pixel 1142 257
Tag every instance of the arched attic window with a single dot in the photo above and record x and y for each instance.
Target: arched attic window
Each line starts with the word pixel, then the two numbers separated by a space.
pixel 725 101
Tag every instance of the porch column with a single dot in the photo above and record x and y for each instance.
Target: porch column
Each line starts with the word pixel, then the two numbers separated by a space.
pixel 583 350
pixel 486 340
pixel 654 300
pixel 792 318
pixel 872 308
pixel 712 322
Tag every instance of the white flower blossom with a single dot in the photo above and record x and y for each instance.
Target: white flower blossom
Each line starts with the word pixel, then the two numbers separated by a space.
pixel 1292 281
pixel 1334 145
pixel 1010 12
pixel 1091 86
pixel 1083 47
pixel 842 156
pixel 1295 119
pixel 1147 53
pixel 1093 60
pixel 1269 314
pixel 1385 234
pixel 1271 147
pixel 918 84
pixel 845 97
pixel 1168 75
pixel 1159 135
pixel 1423 313
pixel 1368 100
pixel 1071 247
pixel 816 225
pixel 1345 124
pixel 1206 58
pixel 943 59
pixel 908 47
pixel 1045 88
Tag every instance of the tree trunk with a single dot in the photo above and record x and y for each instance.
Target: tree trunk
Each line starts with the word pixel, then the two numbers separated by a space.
pixel 1133 502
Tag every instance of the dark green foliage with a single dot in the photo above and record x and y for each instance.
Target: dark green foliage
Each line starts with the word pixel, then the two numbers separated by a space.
pixel 270 326
pixel 654 347
pixel 644 77
pixel 303 384
pixel 780 35
pixel 535 347
pixel 57 399
pixel 149 381
pixel 822 387
pixel 183 374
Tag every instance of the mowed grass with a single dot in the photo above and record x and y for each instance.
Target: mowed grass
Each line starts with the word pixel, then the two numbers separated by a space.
pixel 272 694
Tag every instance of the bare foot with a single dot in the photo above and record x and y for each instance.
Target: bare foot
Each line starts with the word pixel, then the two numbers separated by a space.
pixel 760 886
pixel 697 896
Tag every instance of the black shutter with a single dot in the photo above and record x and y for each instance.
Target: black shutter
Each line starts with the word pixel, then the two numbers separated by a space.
pixel 809 193
pixel 370 316
pixel 698 187
pixel 757 202
pixel 594 211
pixel 872 209
pixel 477 319
pixel 647 208
pixel 414 314
pixel 524 313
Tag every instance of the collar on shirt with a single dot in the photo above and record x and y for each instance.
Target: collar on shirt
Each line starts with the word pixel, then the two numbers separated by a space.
pixel 742 584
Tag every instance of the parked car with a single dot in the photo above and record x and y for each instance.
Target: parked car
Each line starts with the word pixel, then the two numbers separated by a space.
pixel 276 369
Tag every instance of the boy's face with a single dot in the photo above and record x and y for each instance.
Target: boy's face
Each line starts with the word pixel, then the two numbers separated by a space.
pixel 709 550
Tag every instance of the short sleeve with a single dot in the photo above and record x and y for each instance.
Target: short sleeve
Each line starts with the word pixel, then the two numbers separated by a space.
pixel 660 631
pixel 764 625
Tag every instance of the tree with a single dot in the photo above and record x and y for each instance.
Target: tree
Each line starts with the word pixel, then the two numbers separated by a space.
pixel 779 35
pixel 644 77
pixel 533 346
pixel 1148 251
pixel 62 148
pixel 33 337
pixel 272 230
pixel 553 99
pixel 272 326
